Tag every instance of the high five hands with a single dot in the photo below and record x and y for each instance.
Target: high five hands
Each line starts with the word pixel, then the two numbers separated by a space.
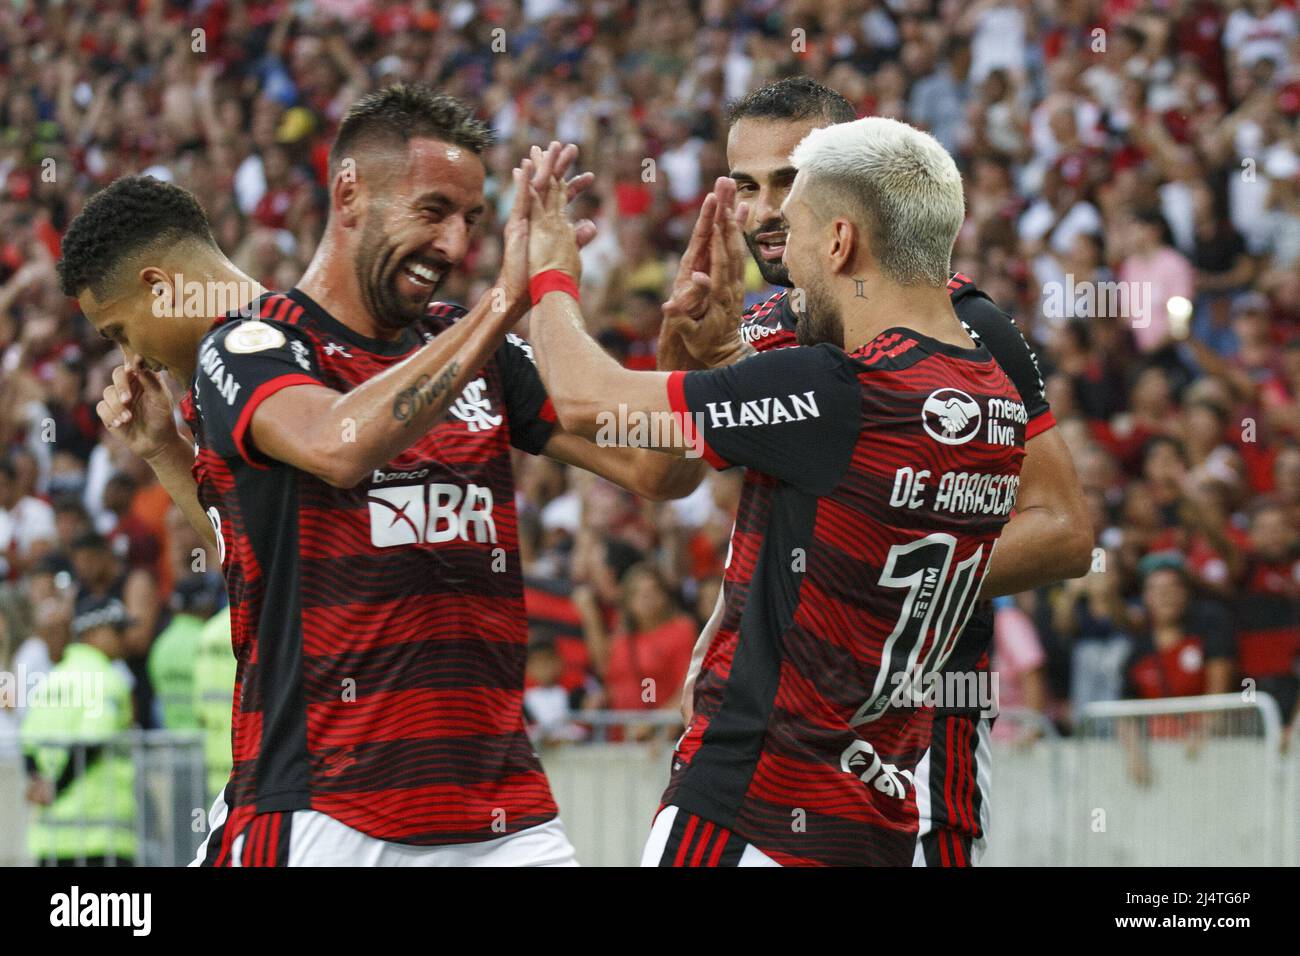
pixel 532 180
pixel 708 294
pixel 702 315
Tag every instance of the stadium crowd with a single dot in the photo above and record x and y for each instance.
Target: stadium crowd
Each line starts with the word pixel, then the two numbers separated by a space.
pixel 1133 188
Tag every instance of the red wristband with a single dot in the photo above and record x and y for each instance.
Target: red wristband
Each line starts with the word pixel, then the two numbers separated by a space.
pixel 552 280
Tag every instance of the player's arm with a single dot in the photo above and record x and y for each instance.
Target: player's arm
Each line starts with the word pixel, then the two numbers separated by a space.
pixel 534 429
pixel 808 442
pixel 340 437
pixel 647 472
pixel 642 471
pixel 1050 536
pixel 137 408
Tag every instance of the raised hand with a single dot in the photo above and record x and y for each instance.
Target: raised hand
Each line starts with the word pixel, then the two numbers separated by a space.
pixel 552 238
pixel 138 409
pixel 510 292
pixel 709 292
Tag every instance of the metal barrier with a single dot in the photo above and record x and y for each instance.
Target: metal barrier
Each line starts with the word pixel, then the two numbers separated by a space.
pixel 164 812
pixel 608 791
pixel 1026 792
pixel 1186 781
pixel 1290 827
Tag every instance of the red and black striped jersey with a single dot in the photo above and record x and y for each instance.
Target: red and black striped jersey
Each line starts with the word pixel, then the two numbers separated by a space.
pixel 877 485
pixel 955 799
pixel 379 630
pixel 770 324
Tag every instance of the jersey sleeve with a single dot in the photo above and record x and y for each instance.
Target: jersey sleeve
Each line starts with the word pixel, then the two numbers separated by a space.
pixel 1008 347
pixel 241 365
pixel 528 407
pixel 793 414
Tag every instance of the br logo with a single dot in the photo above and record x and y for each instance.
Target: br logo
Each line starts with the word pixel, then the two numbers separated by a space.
pixel 951 416
pixel 474 408
pixel 430 514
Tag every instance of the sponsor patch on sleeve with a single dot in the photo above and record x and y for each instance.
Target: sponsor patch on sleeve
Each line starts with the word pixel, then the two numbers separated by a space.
pixel 250 337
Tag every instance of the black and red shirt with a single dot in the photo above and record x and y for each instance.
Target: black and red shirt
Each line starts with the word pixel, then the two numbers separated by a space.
pixel 1177 670
pixel 954 801
pixel 1267 617
pixel 878 482
pixel 379 630
pixel 770 324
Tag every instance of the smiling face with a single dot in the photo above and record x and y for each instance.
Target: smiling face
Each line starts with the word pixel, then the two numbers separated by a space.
pixel 418 223
pixel 758 153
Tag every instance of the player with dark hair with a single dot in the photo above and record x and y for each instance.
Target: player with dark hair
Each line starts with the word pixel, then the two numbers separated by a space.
pixel 125 259
pixel 1047 539
pixel 370 549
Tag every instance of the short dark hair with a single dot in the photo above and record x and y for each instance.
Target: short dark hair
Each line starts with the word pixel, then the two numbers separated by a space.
pixel 403 112
pixel 132 213
pixel 793 98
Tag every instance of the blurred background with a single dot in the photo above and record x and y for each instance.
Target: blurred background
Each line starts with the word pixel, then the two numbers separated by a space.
pixel 1152 142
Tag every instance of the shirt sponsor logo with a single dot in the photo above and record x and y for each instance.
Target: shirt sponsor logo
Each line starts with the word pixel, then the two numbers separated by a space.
pixel 254 336
pixel 1002 410
pixel 474 407
pixel 380 476
pixel 950 416
pixel 768 410
pixel 301 355
pixel 430 514
pixel 752 332
pixel 860 759
pixel 333 348
pixel 215 369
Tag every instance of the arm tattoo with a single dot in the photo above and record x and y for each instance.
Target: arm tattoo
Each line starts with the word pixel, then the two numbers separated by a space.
pixel 423 393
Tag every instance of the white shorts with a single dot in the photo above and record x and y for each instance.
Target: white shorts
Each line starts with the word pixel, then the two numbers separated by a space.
pixel 678 838
pixel 310 838
pixel 938 842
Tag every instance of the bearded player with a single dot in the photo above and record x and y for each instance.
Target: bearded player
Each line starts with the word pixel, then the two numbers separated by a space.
pixel 1046 540
pixel 369 546
pixel 868 516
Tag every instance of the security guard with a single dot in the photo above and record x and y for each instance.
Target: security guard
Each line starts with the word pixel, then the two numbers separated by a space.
pixel 214 688
pixel 174 654
pixel 82 778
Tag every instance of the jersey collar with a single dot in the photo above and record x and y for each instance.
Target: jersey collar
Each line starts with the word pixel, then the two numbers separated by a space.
pixel 410 337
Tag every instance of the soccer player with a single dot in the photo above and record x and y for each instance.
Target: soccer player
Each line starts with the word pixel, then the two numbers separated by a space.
pixel 380 631
pixel 885 457
pixel 1047 539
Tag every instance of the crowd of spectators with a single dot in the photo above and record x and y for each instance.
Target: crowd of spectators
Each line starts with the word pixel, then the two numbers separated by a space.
pixel 1133 188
